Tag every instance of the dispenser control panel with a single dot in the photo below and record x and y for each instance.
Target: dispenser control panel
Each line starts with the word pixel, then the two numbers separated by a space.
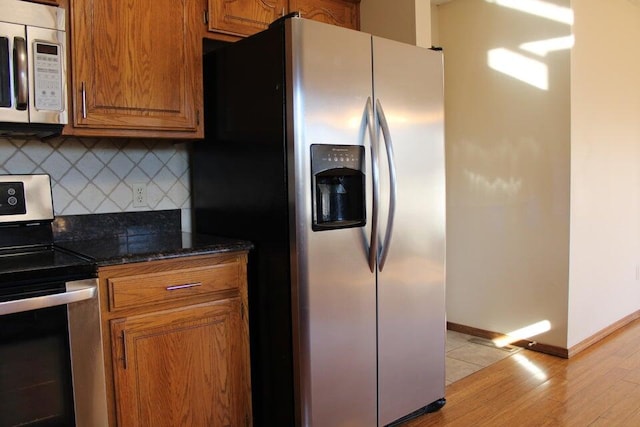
pixel 325 157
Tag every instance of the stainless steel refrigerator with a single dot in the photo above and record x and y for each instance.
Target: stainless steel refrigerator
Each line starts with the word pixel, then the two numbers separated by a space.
pixel 325 147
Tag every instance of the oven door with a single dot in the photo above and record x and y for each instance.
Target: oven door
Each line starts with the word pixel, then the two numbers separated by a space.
pixel 52 370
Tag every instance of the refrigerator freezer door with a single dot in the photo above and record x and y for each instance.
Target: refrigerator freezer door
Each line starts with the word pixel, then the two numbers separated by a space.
pixel 411 306
pixel 333 288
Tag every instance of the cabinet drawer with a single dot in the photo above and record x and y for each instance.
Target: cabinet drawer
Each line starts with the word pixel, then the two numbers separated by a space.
pixel 152 288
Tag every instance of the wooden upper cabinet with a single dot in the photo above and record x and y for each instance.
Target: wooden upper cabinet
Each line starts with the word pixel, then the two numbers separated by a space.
pixel 136 68
pixel 344 13
pixel 244 17
pixel 231 19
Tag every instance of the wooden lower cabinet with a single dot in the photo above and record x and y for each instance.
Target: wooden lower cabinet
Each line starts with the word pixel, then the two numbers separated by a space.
pixel 180 367
pixel 183 361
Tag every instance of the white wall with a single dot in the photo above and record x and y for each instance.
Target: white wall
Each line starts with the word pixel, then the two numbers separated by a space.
pixel 423 23
pixel 605 166
pixel 435 25
pixel 508 147
pixel 407 21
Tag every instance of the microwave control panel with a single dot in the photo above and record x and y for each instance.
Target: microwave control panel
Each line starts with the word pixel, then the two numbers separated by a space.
pixel 47 68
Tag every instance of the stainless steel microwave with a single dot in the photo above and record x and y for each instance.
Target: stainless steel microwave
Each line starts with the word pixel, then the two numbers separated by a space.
pixel 33 67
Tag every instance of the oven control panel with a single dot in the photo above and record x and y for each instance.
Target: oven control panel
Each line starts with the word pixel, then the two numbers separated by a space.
pixel 25 199
pixel 12 200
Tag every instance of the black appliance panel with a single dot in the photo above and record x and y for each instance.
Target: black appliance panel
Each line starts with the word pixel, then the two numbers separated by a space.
pixel 231 198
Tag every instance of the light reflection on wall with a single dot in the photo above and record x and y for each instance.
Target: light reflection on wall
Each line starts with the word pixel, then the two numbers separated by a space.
pixel 543 47
pixel 509 188
pixel 527 332
pixel 540 8
pixel 517 65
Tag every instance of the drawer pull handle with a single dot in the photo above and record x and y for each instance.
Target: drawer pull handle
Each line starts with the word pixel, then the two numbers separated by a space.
pixel 185 286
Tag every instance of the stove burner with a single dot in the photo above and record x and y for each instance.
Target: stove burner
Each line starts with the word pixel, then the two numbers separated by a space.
pixel 45 266
pixel 29 261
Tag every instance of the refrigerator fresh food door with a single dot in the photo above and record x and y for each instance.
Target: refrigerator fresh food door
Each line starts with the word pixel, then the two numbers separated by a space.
pixel 333 288
pixel 408 90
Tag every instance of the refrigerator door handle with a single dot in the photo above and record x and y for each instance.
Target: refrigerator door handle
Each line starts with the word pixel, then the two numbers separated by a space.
pixel 375 172
pixel 393 187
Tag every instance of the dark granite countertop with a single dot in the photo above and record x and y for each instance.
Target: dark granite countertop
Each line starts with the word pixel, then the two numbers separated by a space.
pixel 112 239
pixel 151 247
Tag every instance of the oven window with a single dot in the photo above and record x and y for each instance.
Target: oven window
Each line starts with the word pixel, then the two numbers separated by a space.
pixel 35 369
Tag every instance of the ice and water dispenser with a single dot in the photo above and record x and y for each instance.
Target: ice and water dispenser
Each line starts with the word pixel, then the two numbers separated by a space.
pixel 338 186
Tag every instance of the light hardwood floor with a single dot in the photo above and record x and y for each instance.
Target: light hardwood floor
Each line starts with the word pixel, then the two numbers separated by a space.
pixel 598 387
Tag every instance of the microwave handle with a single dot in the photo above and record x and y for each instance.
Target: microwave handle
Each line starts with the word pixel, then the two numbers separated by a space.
pixel 20 72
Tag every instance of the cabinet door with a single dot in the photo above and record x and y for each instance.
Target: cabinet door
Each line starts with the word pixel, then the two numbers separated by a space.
pixel 136 66
pixel 244 17
pixel 345 13
pixel 182 367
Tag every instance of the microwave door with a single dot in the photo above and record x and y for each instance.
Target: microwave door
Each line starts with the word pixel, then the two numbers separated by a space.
pixel 13 76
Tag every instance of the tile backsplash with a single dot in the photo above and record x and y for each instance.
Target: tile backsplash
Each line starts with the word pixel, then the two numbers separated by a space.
pixel 95 175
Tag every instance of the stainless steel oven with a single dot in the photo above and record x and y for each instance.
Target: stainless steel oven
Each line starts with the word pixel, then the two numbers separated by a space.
pixel 51 360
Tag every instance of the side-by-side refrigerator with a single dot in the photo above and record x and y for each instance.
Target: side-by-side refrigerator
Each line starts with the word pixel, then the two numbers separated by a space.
pixel 324 147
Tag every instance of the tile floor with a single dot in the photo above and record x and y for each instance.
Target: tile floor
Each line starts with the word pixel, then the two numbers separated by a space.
pixel 467 354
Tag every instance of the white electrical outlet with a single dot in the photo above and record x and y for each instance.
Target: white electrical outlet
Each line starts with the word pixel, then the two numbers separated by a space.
pixel 139 195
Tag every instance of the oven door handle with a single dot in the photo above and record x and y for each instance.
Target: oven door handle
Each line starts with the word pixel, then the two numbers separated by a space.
pixel 76 291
